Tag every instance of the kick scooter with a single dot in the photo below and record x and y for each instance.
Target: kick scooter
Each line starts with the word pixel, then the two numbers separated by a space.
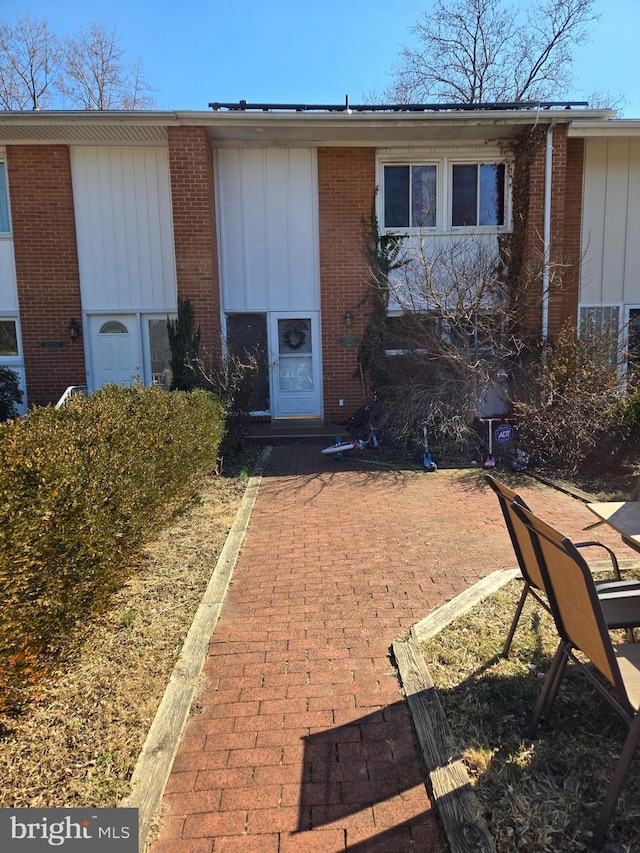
pixel 490 462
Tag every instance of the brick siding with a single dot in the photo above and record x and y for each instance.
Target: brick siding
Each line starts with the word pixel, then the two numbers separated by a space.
pixel 194 225
pixel 566 212
pixel 47 273
pixel 346 186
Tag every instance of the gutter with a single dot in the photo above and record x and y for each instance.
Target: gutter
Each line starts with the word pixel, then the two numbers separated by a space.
pixel 548 184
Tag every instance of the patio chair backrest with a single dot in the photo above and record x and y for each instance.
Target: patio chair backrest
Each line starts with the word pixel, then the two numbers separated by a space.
pixel 572 595
pixel 520 536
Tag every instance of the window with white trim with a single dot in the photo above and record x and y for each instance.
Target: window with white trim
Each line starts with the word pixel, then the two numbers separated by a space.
pixel 600 324
pixel 410 196
pixel 477 194
pixel 445 195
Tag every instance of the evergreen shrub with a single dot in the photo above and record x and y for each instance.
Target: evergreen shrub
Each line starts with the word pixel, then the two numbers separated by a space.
pixel 82 488
pixel 10 393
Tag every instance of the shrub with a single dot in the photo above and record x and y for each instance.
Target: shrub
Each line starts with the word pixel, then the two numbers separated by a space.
pixel 569 405
pixel 82 488
pixel 10 393
pixel 630 413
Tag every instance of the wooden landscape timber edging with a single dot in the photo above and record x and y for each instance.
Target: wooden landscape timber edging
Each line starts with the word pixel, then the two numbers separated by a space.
pixel 153 767
pixel 461 604
pixel 451 791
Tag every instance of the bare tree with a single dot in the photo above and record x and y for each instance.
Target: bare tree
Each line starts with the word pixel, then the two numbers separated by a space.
pixel 95 76
pixel 29 64
pixel 472 51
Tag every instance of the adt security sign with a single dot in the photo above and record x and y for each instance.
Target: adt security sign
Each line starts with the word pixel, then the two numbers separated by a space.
pixel 504 433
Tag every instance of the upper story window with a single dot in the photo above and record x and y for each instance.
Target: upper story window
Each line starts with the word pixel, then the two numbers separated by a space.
pixel 477 194
pixel 410 196
pixel 5 222
pixel 444 196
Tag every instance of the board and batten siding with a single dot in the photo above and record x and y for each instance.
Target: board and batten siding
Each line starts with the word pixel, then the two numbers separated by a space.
pixel 611 222
pixel 122 199
pixel 268 229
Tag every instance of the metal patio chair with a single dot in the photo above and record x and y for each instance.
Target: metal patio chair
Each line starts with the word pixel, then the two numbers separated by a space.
pixel 620 597
pixel 582 627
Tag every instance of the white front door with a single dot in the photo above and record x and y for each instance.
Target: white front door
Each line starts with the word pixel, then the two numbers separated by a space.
pixel 295 377
pixel 115 350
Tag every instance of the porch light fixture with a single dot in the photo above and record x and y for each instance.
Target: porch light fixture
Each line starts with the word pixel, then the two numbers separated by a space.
pixel 348 318
pixel 74 329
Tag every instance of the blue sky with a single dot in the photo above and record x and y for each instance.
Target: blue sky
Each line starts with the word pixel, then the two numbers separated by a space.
pixel 296 51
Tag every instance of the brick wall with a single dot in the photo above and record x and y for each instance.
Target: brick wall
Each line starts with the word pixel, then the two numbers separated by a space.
pixel 194 225
pixel 46 268
pixel 570 296
pixel 346 186
pixel 559 268
pixel 566 203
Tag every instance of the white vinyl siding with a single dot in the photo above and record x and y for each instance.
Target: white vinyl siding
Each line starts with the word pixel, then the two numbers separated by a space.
pixel 268 229
pixel 124 226
pixel 611 223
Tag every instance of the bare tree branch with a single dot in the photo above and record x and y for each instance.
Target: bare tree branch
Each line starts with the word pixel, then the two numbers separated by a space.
pixel 29 64
pixel 471 51
pixel 95 76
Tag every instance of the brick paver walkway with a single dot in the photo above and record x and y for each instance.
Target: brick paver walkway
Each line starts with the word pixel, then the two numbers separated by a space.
pixel 300 739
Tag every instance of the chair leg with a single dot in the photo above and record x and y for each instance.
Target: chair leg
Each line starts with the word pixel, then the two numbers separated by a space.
pixel 516 619
pixel 613 791
pixel 549 692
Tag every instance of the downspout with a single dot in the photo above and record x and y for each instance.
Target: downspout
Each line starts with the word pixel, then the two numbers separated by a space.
pixel 546 275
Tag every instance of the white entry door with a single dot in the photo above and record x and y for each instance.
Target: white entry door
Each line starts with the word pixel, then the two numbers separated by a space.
pixel 115 350
pixel 295 378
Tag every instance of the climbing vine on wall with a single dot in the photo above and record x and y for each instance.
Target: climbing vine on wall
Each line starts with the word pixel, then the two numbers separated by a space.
pixel 513 247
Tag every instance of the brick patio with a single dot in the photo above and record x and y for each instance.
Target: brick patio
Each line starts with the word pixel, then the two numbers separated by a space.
pixel 300 739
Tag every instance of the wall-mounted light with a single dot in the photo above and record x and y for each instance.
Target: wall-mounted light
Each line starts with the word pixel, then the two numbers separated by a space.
pixel 348 318
pixel 74 329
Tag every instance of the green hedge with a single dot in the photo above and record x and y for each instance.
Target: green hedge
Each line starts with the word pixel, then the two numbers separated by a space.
pixel 82 488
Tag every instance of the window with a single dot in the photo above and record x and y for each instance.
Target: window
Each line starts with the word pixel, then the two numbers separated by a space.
pixel 478 333
pixel 5 224
pixel 294 357
pixel 160 353
pixel 8 338
pixel 113 327
pixel 473 196
pixel 410 196
pixel 477 194
pixel 600 331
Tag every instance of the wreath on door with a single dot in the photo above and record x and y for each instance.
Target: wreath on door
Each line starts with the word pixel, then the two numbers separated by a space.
pixel 294 336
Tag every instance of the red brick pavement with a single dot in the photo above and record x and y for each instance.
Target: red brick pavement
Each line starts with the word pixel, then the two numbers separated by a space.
pixel 300 740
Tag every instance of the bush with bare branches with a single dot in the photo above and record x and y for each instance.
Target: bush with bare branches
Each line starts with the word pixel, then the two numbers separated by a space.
pixel 443 333
pixel 569 407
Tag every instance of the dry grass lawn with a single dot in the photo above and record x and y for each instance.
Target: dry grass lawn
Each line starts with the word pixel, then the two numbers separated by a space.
pixel 544 795
pixel 77 743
